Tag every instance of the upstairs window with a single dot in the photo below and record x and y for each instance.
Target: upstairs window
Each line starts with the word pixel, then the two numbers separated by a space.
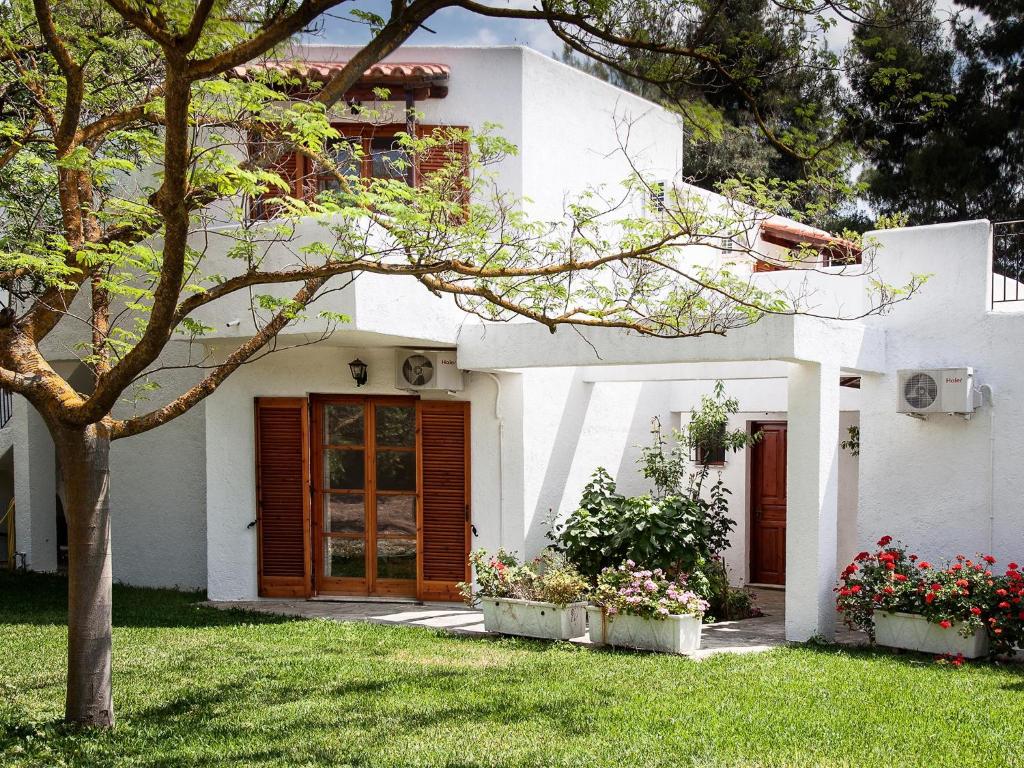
pixel 376 155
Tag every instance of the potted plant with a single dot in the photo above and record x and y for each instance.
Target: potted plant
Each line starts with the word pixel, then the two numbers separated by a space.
pixel 544 598
pixel 639 608
pixel 904 602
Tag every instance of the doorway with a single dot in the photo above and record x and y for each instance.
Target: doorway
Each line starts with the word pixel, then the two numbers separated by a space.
pixel 768 504
pixel 365 496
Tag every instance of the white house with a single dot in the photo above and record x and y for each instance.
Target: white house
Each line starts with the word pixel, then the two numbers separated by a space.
pixel 293 479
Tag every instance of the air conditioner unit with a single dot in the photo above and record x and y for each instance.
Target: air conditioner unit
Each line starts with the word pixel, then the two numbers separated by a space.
pixel 938 390
pixel 418 369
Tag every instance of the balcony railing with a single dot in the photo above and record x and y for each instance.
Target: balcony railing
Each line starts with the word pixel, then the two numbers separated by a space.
pixel 1007 262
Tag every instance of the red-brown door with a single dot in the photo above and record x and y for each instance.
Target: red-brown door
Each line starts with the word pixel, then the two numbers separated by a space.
pixel 768 505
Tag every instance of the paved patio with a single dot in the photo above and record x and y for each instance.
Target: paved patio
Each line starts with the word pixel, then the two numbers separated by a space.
pixel 747 636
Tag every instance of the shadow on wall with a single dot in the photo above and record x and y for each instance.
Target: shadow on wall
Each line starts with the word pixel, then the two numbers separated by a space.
pixel 596 429
pixel 559 463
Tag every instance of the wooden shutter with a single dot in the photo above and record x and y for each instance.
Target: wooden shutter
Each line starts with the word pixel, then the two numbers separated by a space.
pixel 445 486
pixel 282 497
pixel 436 158
pixel 289 166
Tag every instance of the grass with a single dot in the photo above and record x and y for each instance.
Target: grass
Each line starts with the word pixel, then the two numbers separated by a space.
pixel 200 687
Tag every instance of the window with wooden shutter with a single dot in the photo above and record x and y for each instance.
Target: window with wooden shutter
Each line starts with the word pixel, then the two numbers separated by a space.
pixel 445 488
pixel 282 497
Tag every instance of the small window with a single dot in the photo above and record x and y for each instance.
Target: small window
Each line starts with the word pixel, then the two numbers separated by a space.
pixel 657 196
pixel 711 452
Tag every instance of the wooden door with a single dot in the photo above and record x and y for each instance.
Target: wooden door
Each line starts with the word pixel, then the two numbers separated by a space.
pixel 445 465
pixel 365 491
pixel 282 497
pixel 768 505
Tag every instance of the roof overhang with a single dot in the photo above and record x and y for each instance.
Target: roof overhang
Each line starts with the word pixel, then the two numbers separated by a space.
pixel 854 347
pixel 422 80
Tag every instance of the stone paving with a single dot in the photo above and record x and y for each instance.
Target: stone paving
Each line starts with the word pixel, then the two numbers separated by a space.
pixel 746 636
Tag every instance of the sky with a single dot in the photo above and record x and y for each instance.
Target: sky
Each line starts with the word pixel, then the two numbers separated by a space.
pixel 451 26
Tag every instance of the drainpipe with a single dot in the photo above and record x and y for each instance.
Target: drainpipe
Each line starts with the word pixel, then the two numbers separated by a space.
pixel 986 393
pixel 501 457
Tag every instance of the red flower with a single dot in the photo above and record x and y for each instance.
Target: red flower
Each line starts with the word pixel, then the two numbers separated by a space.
pixel 855 589
pixel 1012 566
pixel 900 577
pixel 989 559
pixel 913 558
pixel 1001 592
pixel 956 567
pixel 890 567
pixel 1004 605
pixel 945 624
pixel 888 590
pixel 963 583
pixel 924 564
pixel 929 597
pixel 884 541
pixel 862 556
pixel 976 610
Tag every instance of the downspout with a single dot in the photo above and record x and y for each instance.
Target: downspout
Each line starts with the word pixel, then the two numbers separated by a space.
pixel 986 393
pixel 501 457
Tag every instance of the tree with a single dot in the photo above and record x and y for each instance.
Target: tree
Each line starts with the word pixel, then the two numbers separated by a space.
pixel 764 101
pixel 126 130
pixel 941 95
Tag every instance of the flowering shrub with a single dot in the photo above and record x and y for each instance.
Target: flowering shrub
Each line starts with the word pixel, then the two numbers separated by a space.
pixel 651 594
pixel 967 592
pixel 548 578
pixel 876 580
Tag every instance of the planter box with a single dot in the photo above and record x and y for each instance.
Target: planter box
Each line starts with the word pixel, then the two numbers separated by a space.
pixel 530 618
pixel 673 634
pixel 915 633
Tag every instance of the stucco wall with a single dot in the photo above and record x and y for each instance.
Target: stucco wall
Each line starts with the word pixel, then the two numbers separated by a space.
pixel 946 485
pixel 572 427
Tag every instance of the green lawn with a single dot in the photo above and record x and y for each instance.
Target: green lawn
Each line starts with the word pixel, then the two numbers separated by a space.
pixel 195 686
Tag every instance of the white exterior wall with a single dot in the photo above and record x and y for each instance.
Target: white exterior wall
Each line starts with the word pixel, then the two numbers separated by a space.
pixel 946 485
pixel 570 428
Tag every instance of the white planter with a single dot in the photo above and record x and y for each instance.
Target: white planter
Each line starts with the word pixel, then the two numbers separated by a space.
pixel 916 633
pixel 673 634
pixel 530 618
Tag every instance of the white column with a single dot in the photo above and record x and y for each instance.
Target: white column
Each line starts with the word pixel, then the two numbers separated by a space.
pixel 812 476
pixel 35 488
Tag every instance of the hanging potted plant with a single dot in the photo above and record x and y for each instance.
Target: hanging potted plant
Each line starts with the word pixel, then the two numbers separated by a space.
pixel 639 608
pixel 544 598
pixel 904 602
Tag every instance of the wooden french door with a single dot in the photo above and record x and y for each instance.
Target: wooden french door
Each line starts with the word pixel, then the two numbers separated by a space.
pixel 362 496
pixel 768 505
pixel 366 493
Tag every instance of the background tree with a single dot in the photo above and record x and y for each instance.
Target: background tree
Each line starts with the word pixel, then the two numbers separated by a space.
pixel 126 131
pixel 941 94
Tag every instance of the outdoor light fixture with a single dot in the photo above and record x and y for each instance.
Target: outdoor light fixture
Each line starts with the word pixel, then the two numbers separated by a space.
pixel 358 369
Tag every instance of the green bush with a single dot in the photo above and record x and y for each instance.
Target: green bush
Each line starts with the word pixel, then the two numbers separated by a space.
pixel 681 527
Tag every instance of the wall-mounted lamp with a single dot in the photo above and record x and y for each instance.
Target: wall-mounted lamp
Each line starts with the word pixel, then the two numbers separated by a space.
pixel 358 369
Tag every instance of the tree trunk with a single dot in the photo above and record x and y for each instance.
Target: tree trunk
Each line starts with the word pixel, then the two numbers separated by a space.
pixel 85 465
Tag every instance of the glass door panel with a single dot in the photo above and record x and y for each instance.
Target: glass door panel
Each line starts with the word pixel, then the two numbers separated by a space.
pixel 366 488
pixel 394 503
